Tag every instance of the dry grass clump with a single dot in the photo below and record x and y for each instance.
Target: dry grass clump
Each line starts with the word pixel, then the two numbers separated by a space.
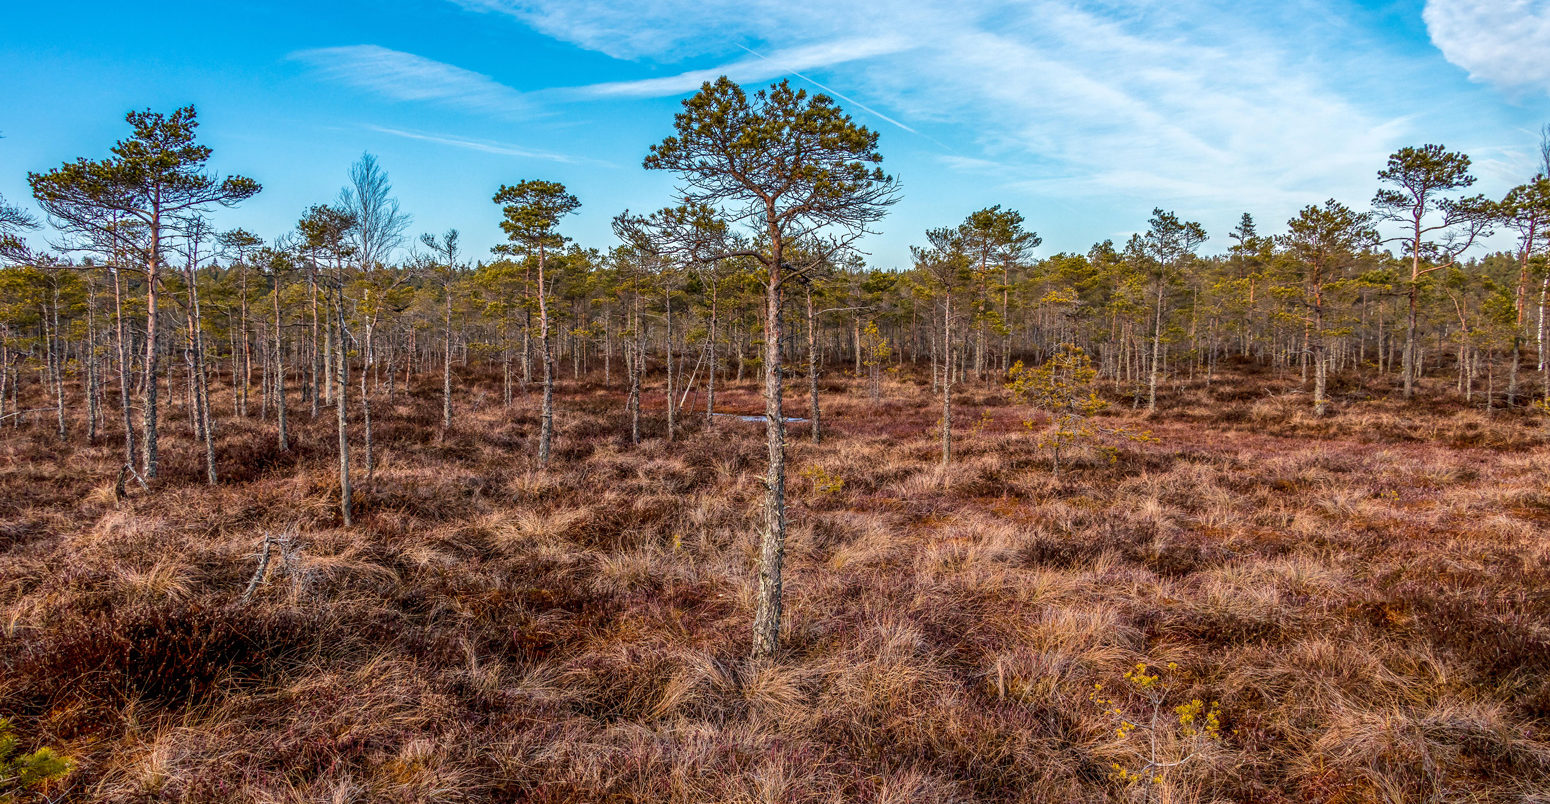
pixel 1363 594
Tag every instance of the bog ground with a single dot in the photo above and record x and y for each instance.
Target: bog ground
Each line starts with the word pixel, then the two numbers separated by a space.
pixel 1364 597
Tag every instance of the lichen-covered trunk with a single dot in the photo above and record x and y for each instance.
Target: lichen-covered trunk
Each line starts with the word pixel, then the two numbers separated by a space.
pixel 90 357
pixel 1006 321
pixel 149 462
pixel 342 408
pixel 772 548
pixel 1409 361
pixel 637 358
pixel 527 329
pixel 279 372
pixel 546 426
pixel 247 355
pixel 812 368
pixel 446 363
pixel 947 379
pixel 1320 352
pixel 123 369
pixel 1320 378
pixel 710 348
pixel 366 363
pixel 201 377
pixel 672 419
pixel 315 359
pixel 1157 327
pixel 56 363
pixel 1411 371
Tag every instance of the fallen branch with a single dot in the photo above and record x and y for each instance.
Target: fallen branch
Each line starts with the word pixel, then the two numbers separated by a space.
pixel 25 412
pixel 263 566
pixel 119 492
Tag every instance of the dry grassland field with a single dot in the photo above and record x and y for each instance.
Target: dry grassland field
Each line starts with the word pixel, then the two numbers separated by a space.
pixel 1351 608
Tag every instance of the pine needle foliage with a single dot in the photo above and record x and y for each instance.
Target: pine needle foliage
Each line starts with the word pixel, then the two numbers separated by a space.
pixel 1065 388
pixel 22 772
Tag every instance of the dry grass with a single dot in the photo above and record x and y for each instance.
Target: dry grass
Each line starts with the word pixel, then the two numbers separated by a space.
pixel 1365 594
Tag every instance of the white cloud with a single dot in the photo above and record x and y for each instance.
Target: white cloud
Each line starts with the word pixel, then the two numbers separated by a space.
pixel 1505 43
pixel 400 76
pixel 483 146
pixel 1195 102
pixel 755 67
pixel 670 30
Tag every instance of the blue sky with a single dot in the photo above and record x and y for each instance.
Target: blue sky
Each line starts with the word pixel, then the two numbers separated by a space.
pixel 1082 115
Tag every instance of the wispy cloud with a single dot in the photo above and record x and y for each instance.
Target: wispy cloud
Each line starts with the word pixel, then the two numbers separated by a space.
pixel 485 146
pixel 1185 103
pixel 661 30
pixel 399 76
pixel 847 98
pixel 1501 42
pixel 1208 105
pixel 754 68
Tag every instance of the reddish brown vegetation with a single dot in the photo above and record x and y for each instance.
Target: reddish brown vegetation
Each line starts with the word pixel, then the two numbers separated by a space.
pixel 1365 594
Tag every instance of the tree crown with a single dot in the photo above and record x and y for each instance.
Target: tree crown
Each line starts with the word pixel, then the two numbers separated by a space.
pixel 798 161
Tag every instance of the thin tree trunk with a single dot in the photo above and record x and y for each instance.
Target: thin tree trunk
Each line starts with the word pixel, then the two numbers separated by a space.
pixel 446 363
pixel 671 399
pixel 772 548
pixel 546 426
pixel 279 370
pixel 637 359
pixel 816 412
pixel 710 348
pixel 149 462
pixel 247 355
pixel 947 380
pixel 201 388
pixel 342 384
pixel 55 361
pixel 1320 359
pixel 316 359
pixel 124 369
pixel 1156 367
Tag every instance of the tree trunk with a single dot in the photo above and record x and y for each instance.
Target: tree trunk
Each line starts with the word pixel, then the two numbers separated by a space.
pixel 527 328
pixel 710 347
pixel 247 355
pixel 1411 370
pixel 1320 363
pixel 341 387
pixel 671 400
pixel 201 387
pixel 446 363
pixel 149 463
pixel 816 412
pixel 1408 363
pixel 637 361
pixel 123 368
pixel 316 358
pixel 546 427
pixel 1156 367
pixel 55 343
pixel 772 549
pixel 367 360
pixel 505 365
pixel 947 380
pixel 279 370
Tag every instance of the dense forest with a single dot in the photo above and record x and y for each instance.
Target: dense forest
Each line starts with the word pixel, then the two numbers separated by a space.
pixel 166 354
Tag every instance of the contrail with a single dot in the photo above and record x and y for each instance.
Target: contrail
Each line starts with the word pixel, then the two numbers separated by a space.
pixel 847 99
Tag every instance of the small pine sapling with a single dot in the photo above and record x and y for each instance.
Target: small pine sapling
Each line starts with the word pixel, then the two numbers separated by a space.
pixel 875 352
pixel 1065 387
pixel 823 481
pixel 1157 742
pixel 22 772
